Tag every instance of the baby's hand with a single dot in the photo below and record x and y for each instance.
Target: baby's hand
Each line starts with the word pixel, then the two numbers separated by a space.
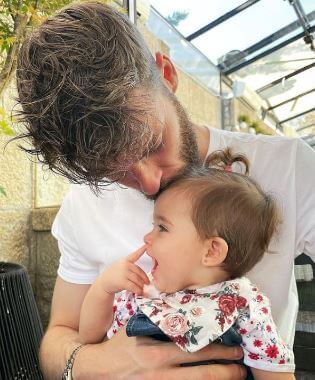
pixel 124 274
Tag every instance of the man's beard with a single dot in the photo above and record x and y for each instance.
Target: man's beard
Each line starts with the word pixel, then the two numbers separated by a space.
pixel 188 147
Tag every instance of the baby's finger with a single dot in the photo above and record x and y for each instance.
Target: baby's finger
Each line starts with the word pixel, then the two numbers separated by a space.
pixel 133 277
pixel 139 272
pixel 133 287
pixel 134 256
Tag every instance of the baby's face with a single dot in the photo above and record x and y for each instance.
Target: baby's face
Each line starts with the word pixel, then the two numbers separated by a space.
pixel 174 244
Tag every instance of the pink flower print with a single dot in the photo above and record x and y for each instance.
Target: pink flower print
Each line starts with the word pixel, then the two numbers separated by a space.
pixel 257 343
pixel 155 311
pixel 197 311
pixel 254 289
pixel 242 331
pixel 175 324
pixel 259 298
pixel 253 356
pixel 235 286
pixel 128 306
pixel 186 298
pixel 119 323
pixel 227 304
pixel 131 312
pixel 268 328
pixel 221 320
pixel 180 340
pixel 114 308
pixel 272 351
pixel 281 361
pixel 264 310
pixel 241 302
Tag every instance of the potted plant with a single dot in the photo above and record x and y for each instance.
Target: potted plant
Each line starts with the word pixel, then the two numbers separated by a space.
pixel 243 121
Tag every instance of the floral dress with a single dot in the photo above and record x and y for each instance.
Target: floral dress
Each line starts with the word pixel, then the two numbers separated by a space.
pixel 194 318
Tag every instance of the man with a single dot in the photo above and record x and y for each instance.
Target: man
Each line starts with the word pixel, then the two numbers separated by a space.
pixel 101 111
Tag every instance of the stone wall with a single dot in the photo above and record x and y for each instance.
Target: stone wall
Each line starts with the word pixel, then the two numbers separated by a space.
pixel 45 256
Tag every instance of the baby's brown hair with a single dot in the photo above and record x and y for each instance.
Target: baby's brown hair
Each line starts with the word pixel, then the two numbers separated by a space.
pixel 232 206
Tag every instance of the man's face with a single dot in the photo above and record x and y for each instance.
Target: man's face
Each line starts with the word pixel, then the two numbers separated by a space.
pixel 175 147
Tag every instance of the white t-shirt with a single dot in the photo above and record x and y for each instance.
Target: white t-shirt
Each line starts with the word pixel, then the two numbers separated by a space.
pixel 93 231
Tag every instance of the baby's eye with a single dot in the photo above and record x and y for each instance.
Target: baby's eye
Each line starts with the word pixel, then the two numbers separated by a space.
pixel 162 228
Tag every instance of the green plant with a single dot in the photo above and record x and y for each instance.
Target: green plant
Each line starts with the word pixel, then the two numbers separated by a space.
pixel 254 124
pixel 16 18
pixel 243 118
pixel 5 128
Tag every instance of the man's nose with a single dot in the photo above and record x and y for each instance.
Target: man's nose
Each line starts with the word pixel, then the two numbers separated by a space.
pixel 148 176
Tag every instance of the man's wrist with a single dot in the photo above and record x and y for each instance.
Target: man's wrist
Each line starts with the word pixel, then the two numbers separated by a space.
pixel 67 373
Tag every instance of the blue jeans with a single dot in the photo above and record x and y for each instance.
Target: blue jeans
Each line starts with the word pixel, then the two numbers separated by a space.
pixel 140 325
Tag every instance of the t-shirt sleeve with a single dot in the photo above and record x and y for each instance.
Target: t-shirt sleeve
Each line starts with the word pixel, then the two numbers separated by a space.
pixel 73 265
pixel 263 347
pixel 305 199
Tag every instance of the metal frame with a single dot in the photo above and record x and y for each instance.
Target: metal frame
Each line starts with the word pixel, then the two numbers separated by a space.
pixel 269 39
pixel 221 19
pixel 131 7
pixel 285 77
pixel 304 22
pixel 267 52
pixel 305 127
pixel 296 116
pixel 290 100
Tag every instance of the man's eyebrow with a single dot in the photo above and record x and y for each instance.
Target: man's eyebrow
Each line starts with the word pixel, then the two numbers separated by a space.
pixel 163 219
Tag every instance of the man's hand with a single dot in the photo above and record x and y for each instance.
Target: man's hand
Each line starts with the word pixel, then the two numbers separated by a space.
pixel 147 359
pixel 124 274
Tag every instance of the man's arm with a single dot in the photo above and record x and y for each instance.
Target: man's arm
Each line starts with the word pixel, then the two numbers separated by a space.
pixel 122 357
pixel 62 335
pixel 263 375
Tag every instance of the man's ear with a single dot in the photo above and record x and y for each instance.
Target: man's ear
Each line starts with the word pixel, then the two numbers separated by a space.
pixel 168 71
pixel 216 251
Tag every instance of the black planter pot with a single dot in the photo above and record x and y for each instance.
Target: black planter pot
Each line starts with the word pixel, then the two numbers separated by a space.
pixel 20 326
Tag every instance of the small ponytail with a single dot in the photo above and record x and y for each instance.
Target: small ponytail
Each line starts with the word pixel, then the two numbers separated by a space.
pixel 224 159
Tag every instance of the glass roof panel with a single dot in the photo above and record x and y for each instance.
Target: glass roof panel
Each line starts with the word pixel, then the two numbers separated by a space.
pixel 307 5
pixel 276 65
pixel 200 12
pixel 255 30
pixel 239 32
pixel 289 88
pixel 184 54
pixel 295 107
pixel 245 28
pixel 301 121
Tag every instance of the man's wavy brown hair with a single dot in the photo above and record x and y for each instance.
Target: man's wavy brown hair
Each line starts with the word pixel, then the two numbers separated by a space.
pixel 75 77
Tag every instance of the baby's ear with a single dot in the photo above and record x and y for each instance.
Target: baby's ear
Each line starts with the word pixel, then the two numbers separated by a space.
pixel 215 253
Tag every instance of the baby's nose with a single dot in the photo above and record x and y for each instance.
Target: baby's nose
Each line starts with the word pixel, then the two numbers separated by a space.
pixel 148 238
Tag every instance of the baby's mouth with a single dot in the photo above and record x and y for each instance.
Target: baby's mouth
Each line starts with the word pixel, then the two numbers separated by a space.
pixel 155 265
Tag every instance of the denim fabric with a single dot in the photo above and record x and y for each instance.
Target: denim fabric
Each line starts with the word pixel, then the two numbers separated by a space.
pixel 140 325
